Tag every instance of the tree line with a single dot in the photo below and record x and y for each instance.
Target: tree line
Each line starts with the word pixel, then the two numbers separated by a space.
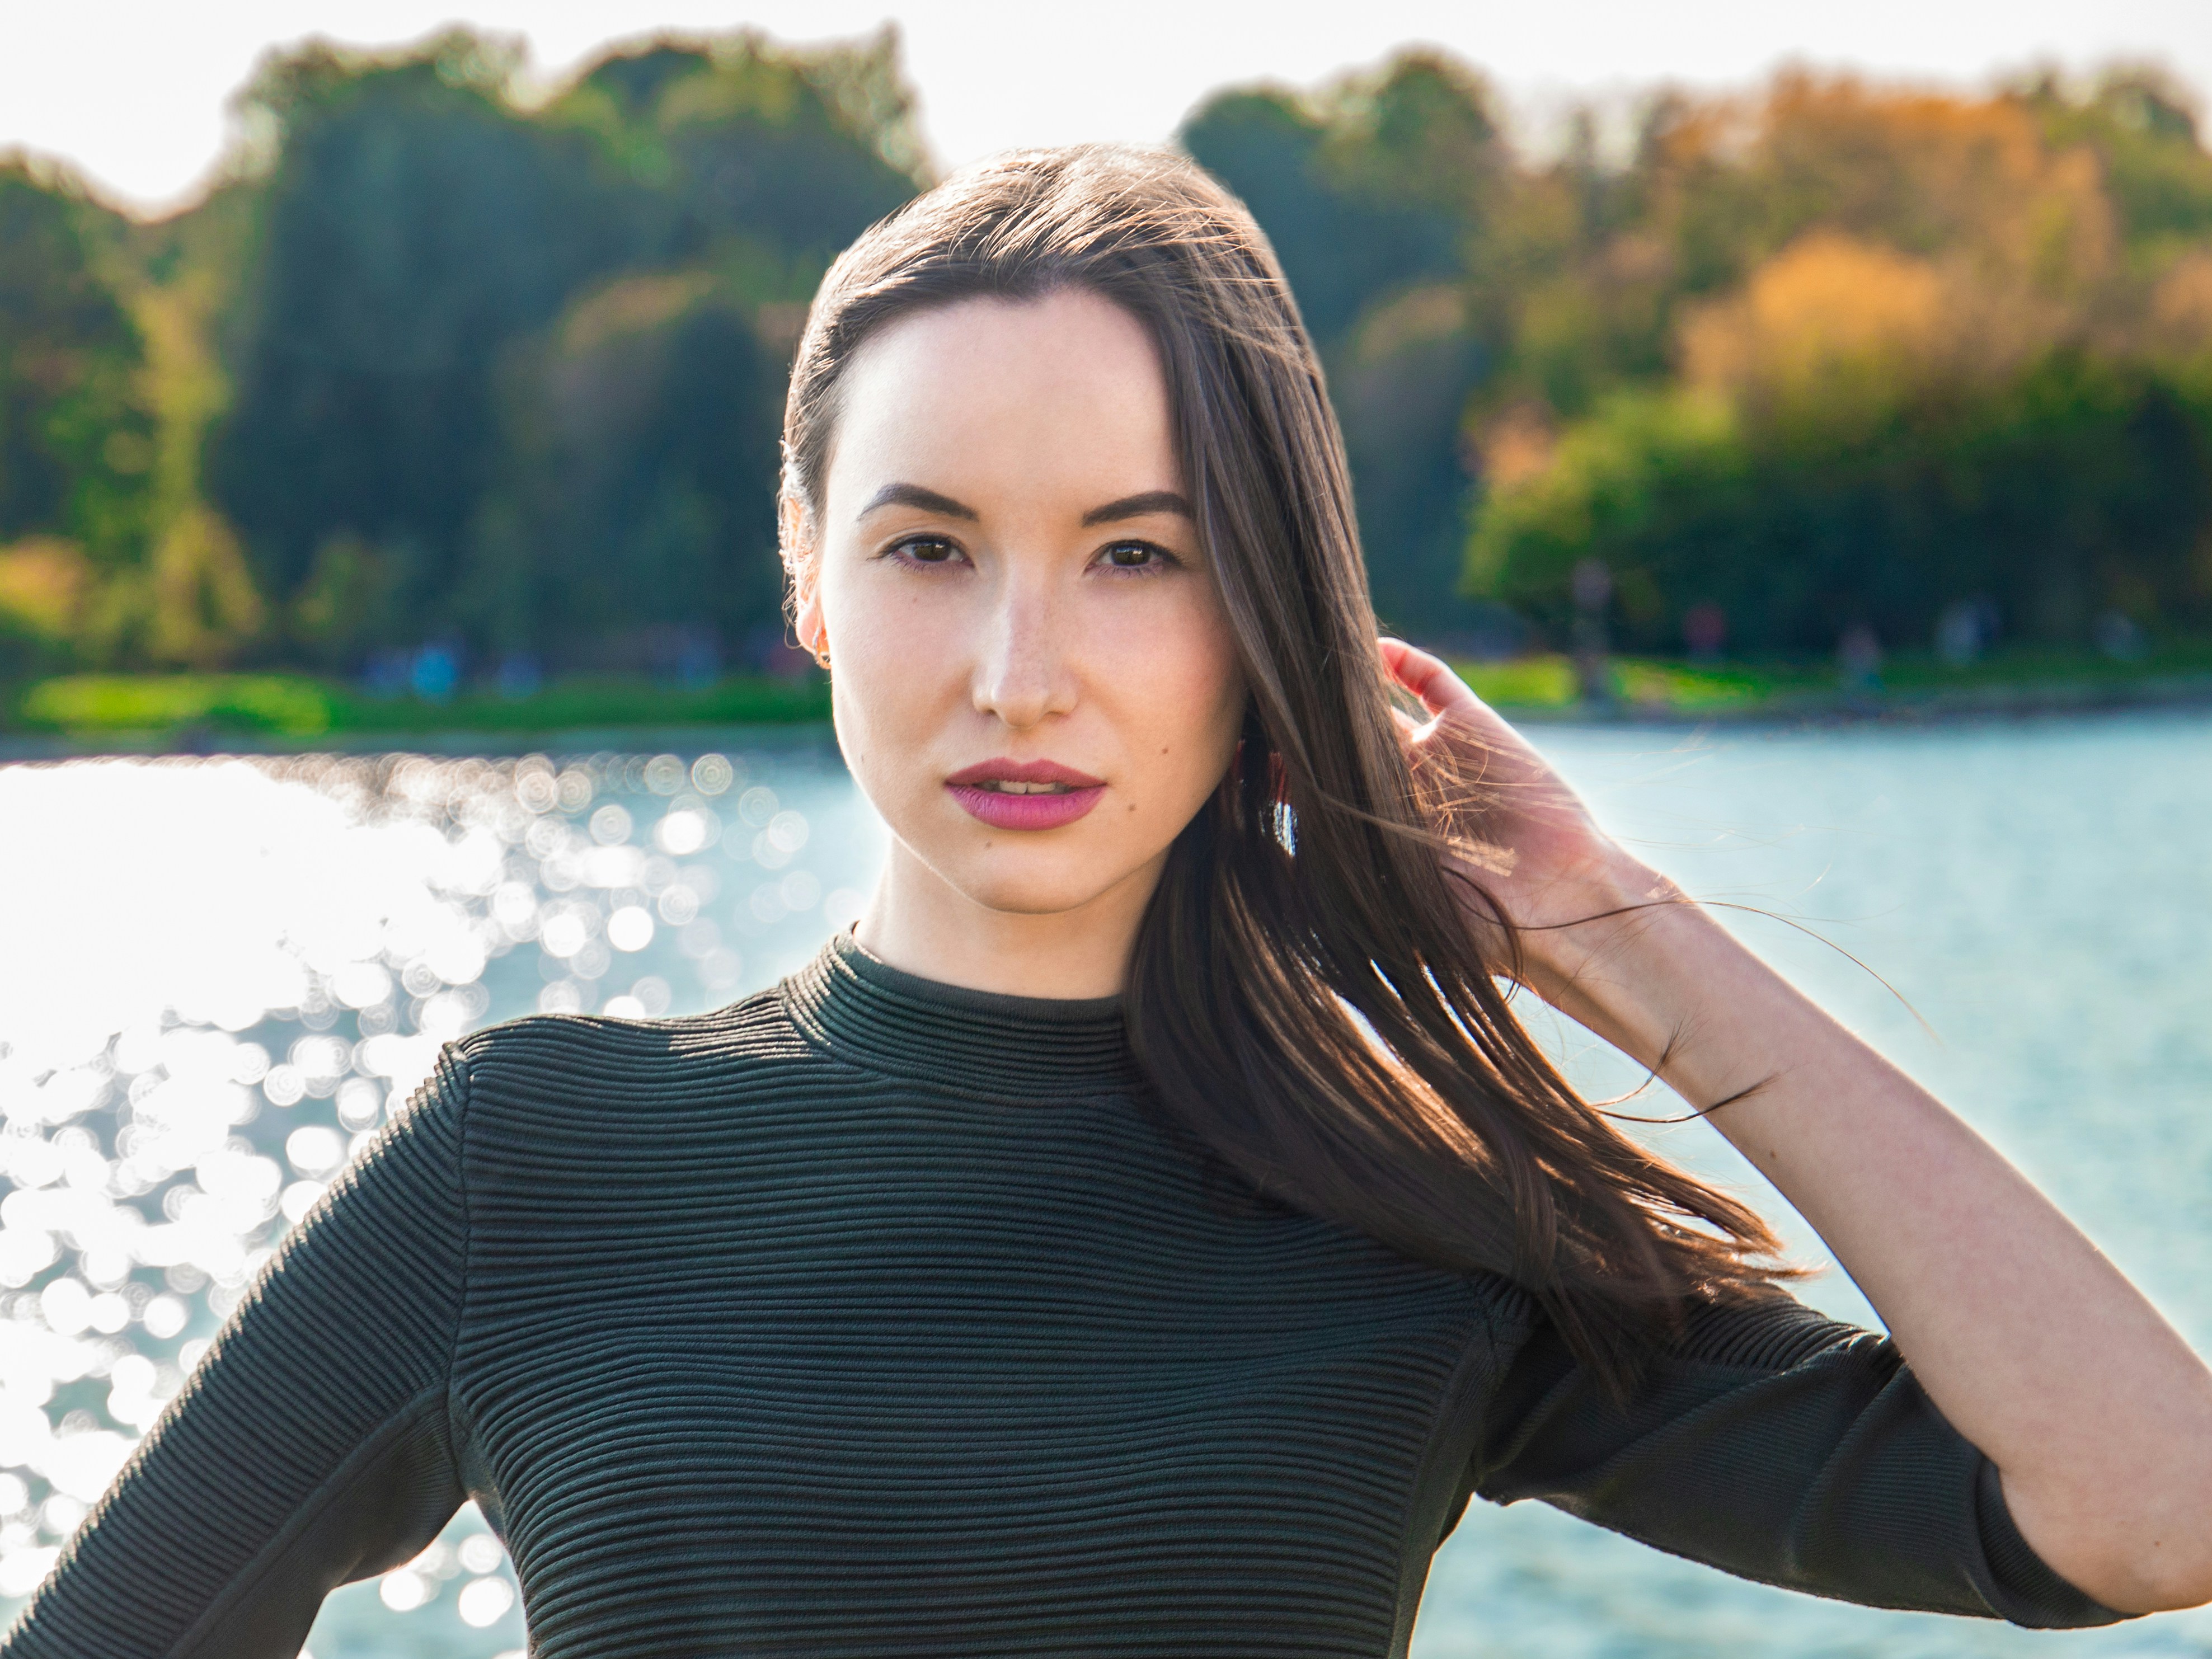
pixel 434 373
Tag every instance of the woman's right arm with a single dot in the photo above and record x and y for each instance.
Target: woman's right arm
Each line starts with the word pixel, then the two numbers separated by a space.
pixel 1780 1446
pixel 2026 1337
pixel 311 1448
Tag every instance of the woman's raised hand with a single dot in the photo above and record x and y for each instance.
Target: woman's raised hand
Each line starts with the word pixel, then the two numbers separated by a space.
pixel 1518 831
pixel 2097 1415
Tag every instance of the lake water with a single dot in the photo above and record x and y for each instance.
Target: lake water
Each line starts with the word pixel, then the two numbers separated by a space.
pixel 215 975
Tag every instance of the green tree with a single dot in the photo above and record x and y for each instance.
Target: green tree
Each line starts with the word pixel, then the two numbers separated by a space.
pixel 2142 127
pixel 1340 246
pixel 419 237
pixel 76 437
pixel 2080 487
pixel 1917 350
pixel 736 140
pixel 1377 194
pixel 635 522
pixel 413 224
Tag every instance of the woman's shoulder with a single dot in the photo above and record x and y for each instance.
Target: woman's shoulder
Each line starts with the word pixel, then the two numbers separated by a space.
pixel 555 1067
pixel 753 1024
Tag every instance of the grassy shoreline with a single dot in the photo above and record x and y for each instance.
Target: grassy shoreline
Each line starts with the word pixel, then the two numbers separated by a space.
pixel 193 712
pixel 1918 686
pixel 185 712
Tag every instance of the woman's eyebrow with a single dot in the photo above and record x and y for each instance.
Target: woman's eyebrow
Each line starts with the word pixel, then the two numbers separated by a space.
pixel 914 495
pixel 1137 507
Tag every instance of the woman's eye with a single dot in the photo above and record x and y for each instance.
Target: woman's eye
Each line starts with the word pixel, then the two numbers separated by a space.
pixel 928 549
pixel 1136 555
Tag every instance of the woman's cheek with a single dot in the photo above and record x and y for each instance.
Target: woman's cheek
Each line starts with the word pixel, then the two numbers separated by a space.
pixel 891 668
pixel 1181 697
pixel 897 648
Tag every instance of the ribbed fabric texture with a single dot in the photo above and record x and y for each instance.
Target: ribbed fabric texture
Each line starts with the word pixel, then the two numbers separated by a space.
pixel 873 1317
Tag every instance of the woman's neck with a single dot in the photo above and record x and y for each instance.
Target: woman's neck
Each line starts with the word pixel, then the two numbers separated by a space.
pixel 917 921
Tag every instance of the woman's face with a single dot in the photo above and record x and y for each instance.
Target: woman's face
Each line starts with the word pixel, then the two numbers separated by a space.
pixel 1034 679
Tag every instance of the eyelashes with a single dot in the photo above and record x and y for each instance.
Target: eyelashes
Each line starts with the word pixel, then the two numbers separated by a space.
pixel 1157 560
pixel 924 551
pixel 1128 558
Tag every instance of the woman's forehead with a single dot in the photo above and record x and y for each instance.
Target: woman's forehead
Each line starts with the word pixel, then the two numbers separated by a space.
pixel 990 395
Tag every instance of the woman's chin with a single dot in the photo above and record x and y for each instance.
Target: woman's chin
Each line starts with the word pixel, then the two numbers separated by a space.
pixel 1023 882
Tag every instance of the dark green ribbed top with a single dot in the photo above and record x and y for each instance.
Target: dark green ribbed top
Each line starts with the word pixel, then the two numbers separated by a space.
pixel 873 1317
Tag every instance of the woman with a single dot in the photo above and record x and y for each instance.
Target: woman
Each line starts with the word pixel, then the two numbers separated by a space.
pixel 1150 1227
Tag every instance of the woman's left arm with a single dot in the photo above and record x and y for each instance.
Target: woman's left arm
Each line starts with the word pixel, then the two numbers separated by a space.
pixel 2032 1345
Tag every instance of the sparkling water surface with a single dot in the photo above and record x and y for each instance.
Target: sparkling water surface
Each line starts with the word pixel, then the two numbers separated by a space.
pixel 216 976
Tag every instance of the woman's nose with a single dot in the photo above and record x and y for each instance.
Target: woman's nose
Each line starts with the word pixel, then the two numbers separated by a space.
pixel 1024 671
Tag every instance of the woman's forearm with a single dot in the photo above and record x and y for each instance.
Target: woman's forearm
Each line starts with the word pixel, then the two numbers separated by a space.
pixel 2097 1414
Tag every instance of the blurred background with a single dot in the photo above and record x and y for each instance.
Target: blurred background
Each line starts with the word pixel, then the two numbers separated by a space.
pixel 1770 407
pixel 434 371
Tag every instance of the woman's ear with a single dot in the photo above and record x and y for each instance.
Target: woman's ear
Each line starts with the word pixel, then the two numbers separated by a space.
pixel 802 563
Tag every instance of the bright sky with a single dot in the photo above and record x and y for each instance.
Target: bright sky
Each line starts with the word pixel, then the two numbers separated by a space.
pixel 134 91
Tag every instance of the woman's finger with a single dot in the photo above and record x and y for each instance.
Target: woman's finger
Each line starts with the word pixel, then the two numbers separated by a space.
pixel 1428 677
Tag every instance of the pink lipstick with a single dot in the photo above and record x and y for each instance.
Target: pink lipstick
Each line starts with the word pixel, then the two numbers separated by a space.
pixel 1009 794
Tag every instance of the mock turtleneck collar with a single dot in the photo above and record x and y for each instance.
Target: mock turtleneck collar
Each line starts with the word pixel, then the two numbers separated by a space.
pixel 978 1042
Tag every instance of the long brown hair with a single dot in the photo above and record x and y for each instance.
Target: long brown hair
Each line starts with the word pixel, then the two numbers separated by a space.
pixel 1306 994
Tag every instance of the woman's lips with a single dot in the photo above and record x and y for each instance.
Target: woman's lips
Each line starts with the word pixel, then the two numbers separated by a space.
pixel 1009 794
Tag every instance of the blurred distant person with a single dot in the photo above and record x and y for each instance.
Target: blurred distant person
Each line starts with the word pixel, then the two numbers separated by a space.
pixel 1858 658
pixel 1148 1228
pixel 1965 628
pixel 1592 585
pixel 1705 631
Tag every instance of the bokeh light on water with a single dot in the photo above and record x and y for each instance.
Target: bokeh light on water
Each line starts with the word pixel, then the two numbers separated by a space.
pixel 218 977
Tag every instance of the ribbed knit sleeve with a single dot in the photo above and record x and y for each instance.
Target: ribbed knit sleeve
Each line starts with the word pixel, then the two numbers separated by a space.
pixel 311 1448
pixel 1781 1446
